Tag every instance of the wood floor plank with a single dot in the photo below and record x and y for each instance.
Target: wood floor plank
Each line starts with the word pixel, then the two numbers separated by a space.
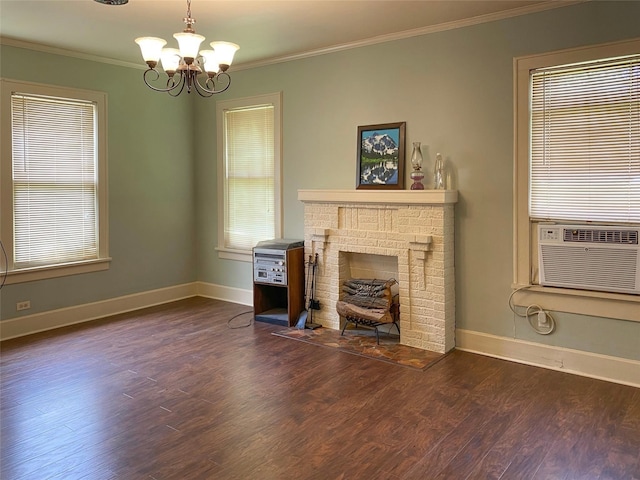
pixel 171 392
pixel 622 457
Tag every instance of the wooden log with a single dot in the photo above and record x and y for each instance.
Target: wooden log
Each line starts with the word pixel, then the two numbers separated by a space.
pixel 364 289
pixel 375 314
pixel 368 302
pixel 370 281
pixel 363 292
pixel 368 287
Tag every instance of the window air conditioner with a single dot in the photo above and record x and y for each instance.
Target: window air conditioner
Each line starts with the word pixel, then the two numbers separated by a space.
pixel 589 257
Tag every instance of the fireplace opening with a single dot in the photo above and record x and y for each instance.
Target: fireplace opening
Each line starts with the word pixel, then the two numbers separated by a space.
pixel 369 293
pixel 369 303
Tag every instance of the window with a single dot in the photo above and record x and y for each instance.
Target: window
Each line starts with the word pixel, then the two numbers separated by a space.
pixel 249 166
pixel 577 159
pixel 53 181
pixel 585 142
pixel 561 194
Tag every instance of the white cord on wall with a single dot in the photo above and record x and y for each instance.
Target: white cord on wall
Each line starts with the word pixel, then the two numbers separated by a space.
pixel 6 265
pixel 540 320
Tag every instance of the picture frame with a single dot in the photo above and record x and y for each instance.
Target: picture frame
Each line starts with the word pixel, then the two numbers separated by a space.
pixel 381 156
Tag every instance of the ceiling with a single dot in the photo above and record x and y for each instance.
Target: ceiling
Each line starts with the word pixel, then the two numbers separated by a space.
pixel 267 31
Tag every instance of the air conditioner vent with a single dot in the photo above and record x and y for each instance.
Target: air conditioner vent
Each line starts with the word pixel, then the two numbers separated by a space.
pixel 594 268
pixel 602 259
pixel 594 235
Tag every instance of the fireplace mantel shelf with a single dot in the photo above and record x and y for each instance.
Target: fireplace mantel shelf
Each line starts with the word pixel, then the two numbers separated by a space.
pixel 405 197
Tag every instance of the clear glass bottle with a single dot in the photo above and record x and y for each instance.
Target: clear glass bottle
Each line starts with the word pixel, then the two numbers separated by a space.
pixel 438 173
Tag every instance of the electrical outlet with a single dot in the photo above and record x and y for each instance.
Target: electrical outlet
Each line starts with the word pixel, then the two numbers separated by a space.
pixel 26 305
pixel 543 321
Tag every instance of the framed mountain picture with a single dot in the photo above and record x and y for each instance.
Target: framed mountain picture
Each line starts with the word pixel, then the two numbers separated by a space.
pixel 381 156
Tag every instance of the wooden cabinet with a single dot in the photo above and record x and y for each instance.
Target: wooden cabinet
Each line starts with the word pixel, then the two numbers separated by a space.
pixel 282 304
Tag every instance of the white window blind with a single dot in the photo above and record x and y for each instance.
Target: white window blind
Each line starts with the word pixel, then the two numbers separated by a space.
pixel 250 176
pixel 54 180
pixel 585 142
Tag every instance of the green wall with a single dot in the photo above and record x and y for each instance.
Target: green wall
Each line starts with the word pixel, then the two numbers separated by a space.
pixel 151 185
pixel 455 91
pixel 453 88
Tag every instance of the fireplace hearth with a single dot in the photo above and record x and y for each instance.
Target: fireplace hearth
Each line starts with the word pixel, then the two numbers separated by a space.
pixel 416 228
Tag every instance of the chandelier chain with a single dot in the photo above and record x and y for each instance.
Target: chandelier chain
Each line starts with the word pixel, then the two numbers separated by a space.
pixel 188 20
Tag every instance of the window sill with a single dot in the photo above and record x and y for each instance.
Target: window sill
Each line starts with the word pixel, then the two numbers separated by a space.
pixel 599 304
pixel 53 271
pixel 239 255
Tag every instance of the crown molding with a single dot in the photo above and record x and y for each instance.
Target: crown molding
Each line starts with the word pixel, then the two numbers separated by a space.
pixel 416 32
pixel 492 17
pixel 38 47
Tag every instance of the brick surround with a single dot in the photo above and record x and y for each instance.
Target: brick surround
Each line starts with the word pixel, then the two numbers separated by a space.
pixel 416 227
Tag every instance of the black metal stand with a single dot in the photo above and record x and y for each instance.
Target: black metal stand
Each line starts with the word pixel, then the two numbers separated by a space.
pixel 372 323
pixel 313 303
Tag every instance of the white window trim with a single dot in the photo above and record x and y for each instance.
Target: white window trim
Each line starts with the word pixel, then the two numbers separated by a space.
pixel 274 99
pixel 6 222
pixel 601 304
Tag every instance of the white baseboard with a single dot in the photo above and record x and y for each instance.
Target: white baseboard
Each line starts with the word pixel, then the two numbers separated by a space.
pixel 40 322
pixel 603 367
pixel 228 294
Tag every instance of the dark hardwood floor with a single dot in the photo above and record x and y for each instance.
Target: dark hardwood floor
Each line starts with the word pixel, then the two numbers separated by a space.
pixel 171 392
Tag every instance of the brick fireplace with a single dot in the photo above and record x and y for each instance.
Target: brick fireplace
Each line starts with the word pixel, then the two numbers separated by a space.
pixel 416 228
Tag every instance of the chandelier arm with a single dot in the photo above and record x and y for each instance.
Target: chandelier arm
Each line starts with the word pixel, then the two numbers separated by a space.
pixel 203 92
pixel 172 91
pixel 206 90
pixel 171 84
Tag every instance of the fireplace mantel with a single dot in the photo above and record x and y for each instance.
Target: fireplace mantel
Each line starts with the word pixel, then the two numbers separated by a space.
pixel 404 197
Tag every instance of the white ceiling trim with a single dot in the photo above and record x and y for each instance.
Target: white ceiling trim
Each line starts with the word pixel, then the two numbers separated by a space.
pixel 13 42
pixel 492 17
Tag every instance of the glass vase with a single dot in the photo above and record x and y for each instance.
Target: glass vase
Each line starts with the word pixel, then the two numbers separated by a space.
pixel 438 173
pixel 416 163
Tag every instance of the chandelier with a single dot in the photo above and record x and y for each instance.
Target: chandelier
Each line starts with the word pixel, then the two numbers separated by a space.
pixel 183 66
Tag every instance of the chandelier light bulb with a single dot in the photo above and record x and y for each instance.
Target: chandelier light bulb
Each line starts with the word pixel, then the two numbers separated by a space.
pixel 151 48
pixel 225 52
pixel 211 64
pixel 170 60
pixel 189 44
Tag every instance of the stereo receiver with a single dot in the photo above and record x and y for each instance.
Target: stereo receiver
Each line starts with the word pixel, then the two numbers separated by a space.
pixel 270 260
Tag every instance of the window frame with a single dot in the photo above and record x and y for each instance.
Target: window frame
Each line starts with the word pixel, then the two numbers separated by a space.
pixel 274 99
pixel 28 274
pixel 601 304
